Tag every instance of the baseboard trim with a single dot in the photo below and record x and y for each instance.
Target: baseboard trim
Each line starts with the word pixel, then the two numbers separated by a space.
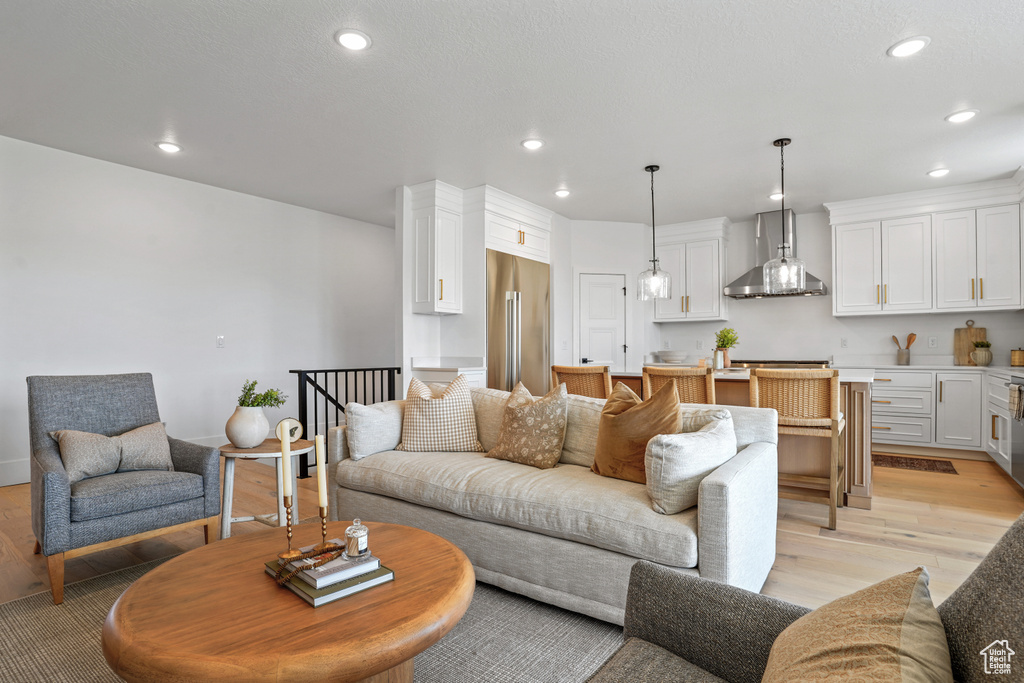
pixel 930 452
pixel 14 472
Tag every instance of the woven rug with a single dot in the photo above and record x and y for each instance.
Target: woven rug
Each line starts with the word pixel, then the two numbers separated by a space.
pixel 503 638
pixel 919 464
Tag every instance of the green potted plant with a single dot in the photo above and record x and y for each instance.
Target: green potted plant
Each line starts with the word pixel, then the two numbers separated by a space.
pixel 248 427
pixel 725 339
pixel 982 353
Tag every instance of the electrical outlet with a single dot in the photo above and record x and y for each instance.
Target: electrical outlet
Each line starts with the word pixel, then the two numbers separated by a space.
pixel 933 342
pixel 842 343
pixel 700 344
pixel 220 341
pixel 565 345
pixel 666 345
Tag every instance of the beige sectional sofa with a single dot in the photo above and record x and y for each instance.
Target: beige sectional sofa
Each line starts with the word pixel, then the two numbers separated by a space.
pixel 565 535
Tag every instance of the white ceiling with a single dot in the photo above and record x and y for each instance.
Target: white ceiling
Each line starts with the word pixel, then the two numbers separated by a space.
pixel 265 103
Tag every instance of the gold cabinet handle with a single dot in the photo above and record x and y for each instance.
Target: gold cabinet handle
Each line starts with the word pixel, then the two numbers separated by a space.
pixel 882 379
pixel 972 288
pixel 874 427
pixel 875 400
pixel 878 294
pixel 885 294
pixel 682 303
pixel 441 297
pixel 940 392
pixel 687 303
pixel 981 288
pixel 994 437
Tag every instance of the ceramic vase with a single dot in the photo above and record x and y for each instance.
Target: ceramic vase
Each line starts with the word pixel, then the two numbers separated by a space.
pixel 981 357
pixel 247 427
pixel 725 357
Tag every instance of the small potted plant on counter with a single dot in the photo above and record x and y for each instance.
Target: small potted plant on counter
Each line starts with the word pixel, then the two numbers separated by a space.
pixel 725 339
pixel 982 353
pixel 248 426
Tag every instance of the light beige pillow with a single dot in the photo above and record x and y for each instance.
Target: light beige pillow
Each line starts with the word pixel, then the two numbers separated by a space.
pixel 677 463
pixel 533 429
pixel 374 428
pixel 85 454
pixel 488 409
pixel 582 425
pixel 445 424
pixel 890 631
pixel 694 419
pixel 627 424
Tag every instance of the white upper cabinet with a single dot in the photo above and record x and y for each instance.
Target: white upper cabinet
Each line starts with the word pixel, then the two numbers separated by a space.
pixel 693 254
pixel 977 258
pixel 954 249
pixel 510 225
pixel 437 232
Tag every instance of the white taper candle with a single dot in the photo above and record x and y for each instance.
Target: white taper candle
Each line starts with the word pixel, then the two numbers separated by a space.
pixel 321 470
pixel 286 463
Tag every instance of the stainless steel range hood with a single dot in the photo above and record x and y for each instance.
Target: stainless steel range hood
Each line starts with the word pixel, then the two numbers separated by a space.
pixel 769 233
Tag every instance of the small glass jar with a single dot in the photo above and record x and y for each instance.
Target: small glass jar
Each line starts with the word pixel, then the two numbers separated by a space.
pixel 357 539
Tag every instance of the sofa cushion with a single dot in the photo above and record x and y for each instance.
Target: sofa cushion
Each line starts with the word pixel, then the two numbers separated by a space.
pixel 373 428
pixel 439 424
pixel 676 464
pixel 145 448
pixel 533 430
pixel 627 424
pixel 116 494
pixel 889 631
pixel 639 661
pixel 567 501
pixel 489 410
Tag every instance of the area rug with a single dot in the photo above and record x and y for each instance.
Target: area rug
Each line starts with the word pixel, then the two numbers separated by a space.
pixel 918 464
pixel 503 638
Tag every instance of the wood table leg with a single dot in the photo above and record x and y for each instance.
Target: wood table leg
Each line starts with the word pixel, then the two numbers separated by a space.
pixel 38 549
pixel 229 493
pixel 398 674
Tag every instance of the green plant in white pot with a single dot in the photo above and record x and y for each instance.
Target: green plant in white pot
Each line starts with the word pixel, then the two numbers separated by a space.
pixel 725 339
pixel 248 427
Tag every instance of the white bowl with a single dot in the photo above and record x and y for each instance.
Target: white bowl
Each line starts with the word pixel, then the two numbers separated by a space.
pixel 673 356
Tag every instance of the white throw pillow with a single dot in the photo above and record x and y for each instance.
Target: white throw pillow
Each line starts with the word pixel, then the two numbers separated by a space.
pixel 374 428
pixel 446 424
pixel 677 463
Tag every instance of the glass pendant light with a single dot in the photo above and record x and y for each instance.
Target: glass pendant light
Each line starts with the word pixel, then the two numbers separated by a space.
pixel 784 274
pixel 654 283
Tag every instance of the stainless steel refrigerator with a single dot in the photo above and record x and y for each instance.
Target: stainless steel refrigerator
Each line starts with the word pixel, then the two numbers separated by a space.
pixel 518 323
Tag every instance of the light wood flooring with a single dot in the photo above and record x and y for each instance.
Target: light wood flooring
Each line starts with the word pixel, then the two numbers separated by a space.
pixel 945 522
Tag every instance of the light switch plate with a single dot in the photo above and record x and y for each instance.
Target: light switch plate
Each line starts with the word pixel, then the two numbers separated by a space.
pixel 700 344
pixel 220 341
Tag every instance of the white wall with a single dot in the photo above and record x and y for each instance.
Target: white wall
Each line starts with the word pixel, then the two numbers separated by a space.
pixel 108 269
pixel 561 291
pixel 803 327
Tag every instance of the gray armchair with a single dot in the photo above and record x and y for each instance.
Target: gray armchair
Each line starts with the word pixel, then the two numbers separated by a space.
pixel 684 628
pixel 73 519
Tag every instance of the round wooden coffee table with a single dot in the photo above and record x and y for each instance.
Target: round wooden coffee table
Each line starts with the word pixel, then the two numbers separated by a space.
pixel 213 614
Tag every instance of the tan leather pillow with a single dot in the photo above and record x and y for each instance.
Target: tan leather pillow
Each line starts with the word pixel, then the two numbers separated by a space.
pixel 627 424
pixel 890 631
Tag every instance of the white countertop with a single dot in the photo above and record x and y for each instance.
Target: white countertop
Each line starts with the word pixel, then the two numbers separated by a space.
pixel 845 374
pixel 448 363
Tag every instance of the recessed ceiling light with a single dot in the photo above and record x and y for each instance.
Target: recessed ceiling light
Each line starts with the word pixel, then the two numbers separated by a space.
pixel 168 147
pixel 562 193
pixel 961 116
pixel 908 47
pixel 532 144
pixel 938 173
pixel 776 196
pixel 352 39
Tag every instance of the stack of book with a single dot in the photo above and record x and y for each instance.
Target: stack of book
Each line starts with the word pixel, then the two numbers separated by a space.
pixel 333 580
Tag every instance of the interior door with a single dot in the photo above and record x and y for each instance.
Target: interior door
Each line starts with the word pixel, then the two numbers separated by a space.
pixel 602 320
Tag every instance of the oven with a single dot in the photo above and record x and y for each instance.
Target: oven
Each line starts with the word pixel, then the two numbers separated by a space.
pixel 1017 428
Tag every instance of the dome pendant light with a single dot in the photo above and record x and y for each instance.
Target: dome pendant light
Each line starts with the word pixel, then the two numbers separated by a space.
pixel 653 283
pixel 784 274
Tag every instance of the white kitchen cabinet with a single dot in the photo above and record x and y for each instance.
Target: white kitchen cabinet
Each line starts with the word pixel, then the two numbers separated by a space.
pixel 977 258
pixel 693 254
pixel 517 237
pixel 857 268
pixel 437 235
pixel 958 409
pixel 996 424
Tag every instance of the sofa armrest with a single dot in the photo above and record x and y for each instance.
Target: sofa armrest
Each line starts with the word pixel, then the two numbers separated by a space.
pixel 725 630
pixel 337 450
pixel 51 502
pixel 737 513
pixel 201 460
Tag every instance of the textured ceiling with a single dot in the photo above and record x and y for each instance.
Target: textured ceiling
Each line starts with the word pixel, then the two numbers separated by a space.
pixel 265 103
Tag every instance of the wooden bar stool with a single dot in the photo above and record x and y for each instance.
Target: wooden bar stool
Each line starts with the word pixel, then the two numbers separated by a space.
pixel 808 405
pixel 586 380
pixel 695 385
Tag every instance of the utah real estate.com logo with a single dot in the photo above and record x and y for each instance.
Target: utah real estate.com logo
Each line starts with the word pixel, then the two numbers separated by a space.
pixel 997 657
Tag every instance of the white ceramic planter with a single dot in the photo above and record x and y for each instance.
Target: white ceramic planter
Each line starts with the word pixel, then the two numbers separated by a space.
pixel 247 427
pixel 981 356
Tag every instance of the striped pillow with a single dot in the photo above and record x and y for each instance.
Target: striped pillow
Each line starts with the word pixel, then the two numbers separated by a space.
pixel 445 424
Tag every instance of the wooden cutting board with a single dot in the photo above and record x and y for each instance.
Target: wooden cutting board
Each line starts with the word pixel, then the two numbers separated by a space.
pixel 963 342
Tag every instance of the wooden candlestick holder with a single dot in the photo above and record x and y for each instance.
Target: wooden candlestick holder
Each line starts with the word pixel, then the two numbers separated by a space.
pixel 324 545
pixel 289 555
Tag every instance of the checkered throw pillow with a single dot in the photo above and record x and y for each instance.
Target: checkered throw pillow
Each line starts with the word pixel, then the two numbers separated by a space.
pixel 446 424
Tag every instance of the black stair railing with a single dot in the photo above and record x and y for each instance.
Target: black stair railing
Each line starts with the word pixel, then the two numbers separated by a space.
pixel 323 394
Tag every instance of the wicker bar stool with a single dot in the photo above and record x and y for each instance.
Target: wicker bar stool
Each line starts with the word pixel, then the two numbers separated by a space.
pixel 586 380
pixel 808 405
pixel 695 385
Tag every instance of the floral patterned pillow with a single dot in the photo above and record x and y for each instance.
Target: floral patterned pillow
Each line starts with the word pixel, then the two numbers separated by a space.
pixel 532 429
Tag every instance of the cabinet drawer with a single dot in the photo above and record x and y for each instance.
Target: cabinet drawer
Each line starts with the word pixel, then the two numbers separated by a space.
pixel 998 391
pixel 896 402
pixel 888 379
pixel 893 429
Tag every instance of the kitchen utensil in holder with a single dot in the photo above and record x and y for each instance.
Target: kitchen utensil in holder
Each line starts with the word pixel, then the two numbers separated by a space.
pixel 903 357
